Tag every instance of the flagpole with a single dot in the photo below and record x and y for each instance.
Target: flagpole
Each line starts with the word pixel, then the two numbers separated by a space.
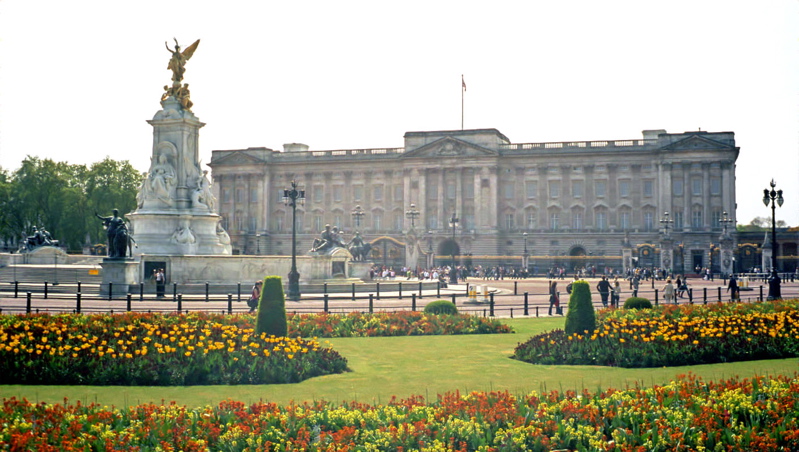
pixel 463 90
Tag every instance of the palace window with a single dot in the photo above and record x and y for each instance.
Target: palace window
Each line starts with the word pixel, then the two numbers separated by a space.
pixel 577 189
pixel 678 221
pixel 715 185
pixel 554 189
pixel 676 187
pixel 577 220
pixel 378 193
pixel 508 189
pixel 696 186
pixel 624 220
pixel 318 193
pixel 509 221
pixel 253 195
pixel 554 221
pixel 600 188
pixel 696 219
pixel 624 188
pixel 602 221
pixel 649 221
pixel 531 220
pixel 649 188
pixel 531 187
pixel 338 193
pixel 357 192
pixel 399 192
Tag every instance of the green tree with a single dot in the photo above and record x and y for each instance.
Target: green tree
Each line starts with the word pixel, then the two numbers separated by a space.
pixel 581 316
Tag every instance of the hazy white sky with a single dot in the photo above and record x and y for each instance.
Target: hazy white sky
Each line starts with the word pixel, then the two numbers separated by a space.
pixel 79 79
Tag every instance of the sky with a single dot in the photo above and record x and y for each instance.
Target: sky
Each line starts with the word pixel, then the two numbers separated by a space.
pixel 79 79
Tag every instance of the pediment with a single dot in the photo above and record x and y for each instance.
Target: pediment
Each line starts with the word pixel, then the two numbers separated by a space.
pixel 696 142
pixel 237 158
pixel 450 147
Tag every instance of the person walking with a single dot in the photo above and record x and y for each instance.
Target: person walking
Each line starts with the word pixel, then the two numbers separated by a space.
pixel 160 283
pixel 616 296
pixel 255 296
pixel 732 288
pixel 635 284
pixel 554 299
pixel 603 287
pixel 668 292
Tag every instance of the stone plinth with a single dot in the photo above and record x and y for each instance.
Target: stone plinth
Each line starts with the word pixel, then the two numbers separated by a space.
pixel 359 270
pixel 45 255
pixel 121 274
pixel 175 233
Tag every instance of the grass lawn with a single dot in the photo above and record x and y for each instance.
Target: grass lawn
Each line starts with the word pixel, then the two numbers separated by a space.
pixel 416 365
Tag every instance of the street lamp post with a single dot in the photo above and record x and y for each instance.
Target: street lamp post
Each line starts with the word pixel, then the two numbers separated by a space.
pixel 666 221
pixel 357 215
pixel 725 220
pixel 453 273
pixel 525 255
pixel 291 196
pixel 775 197
pixel 258 243
pixel 412 214
pixel 430 256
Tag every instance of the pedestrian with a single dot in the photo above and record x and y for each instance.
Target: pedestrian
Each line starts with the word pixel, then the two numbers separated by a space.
pixel 732 288
pixel 616 293
pixel 603 287
pixel 160 283
pixel 554 299
pixel 678 287
pixel 255 296
pixel 635 285
pixel 668 292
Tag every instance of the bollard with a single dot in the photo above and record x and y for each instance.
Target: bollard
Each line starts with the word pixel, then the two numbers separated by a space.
pixel 704 294
pixel 515 288
pixel 656 297
pixel 413 302
pixel 453 298
pixel 77 302
pixel 536 311
pixel 141 291
pixel 16 289
pixel 325 288
pixel 180 302
pixel 511 312
pixel 438 289
pixel 206 291
pixel 110 290
pixel 78 286
pixel 377 287
pixel 230 303
pixel 326 300
pixel 691 295
pixel 719 294
pixel 420 289
pixel 371 304
pixel 491 304
pixel 526 305
pixel 353 291
pixel 128 301
pixel 400 290
pixel 238 288
pixel 175 291
pixel 761 294
pixel 28 304
pixel 45 290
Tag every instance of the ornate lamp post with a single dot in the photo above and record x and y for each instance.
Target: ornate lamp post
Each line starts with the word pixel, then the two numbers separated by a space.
pixel 525 254
pixel 258 243
pixel 357 215
pixel 453 273
pixel 430 256
pixel 666 221
pixel 412 214
pixel 725 220
pixel 291 196
pixel 775 197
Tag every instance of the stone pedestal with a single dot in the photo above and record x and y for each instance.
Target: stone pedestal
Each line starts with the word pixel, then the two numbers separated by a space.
pixel 45 255
pixel 118 276
pixel 359 270
pixel 176 212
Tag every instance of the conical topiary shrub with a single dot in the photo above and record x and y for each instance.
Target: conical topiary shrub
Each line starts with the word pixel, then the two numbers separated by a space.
pixel 581 316
pixel 271 317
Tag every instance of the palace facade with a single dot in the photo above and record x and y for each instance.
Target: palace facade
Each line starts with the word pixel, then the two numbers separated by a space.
pixel 559 203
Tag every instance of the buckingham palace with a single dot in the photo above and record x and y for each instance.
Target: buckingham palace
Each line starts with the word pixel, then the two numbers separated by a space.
pixel 478 197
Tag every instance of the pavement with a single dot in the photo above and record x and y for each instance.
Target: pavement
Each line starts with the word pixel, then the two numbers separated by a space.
pixel 509 298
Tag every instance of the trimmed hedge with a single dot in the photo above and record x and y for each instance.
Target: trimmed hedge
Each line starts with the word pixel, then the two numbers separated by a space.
pixel 581 316
pixel 271 317
pixel 441 307
pixel 637 303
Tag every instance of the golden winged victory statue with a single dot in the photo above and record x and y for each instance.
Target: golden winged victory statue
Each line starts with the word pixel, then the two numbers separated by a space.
pixel 177 64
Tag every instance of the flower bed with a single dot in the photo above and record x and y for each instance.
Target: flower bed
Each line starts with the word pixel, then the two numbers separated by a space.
pixel 401 323
pixel 688 414
pixel 674 336
pixel 153 349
